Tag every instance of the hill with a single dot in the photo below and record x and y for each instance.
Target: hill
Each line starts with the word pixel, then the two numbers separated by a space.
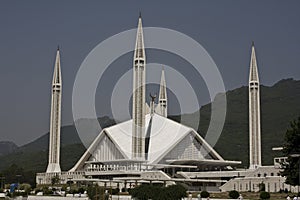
pixel 279 105
pixel 34 155
pixel 7 147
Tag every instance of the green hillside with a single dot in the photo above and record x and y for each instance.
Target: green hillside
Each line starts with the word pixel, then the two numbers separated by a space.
pixel 34 155
pixel 279 105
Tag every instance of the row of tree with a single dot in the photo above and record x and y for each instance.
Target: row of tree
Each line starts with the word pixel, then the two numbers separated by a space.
pixel 145 192
pixel 16 174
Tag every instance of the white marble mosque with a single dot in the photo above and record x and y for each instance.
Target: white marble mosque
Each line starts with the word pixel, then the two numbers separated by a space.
pixel 151 148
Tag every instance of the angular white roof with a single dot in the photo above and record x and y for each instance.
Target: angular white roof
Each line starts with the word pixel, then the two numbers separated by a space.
pixel 164 134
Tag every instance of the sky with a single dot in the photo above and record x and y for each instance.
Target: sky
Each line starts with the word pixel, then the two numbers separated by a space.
pixel 31 31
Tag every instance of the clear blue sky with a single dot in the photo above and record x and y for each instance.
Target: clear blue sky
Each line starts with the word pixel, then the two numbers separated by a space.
pixel 31 31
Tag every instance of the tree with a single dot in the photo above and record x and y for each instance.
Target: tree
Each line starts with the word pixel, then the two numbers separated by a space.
pixel 176 191
pixel 95 192
pixel 234 194
pixel 55 180
pixel 264 195
pixel 15 174
pixel 291 147
pixel 204 194
pixel 145 192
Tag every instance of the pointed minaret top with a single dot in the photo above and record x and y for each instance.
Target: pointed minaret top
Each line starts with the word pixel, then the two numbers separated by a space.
pixel 252 43
pixel 139 45
pixel 140 14
pixel 57 47
pixel 57 71
pixel 253 75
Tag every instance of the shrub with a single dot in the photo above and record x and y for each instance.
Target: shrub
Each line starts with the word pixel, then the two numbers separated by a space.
pixel 264 195
pixel 145 192
pixel 115 191
pixel 204 194
pixel 234 194
pixel 176 191
pixel 81 190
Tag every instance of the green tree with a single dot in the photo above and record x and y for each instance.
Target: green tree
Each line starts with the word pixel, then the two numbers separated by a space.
pixel 55 180
pixel 204 194
pixel 264 195
pixel 173 192
pixel 15 174
pixel 234 194
pixel 95 192
pixel 145 192
pixel 291 147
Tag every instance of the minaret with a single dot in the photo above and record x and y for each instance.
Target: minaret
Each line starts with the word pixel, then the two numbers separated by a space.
pixel 54 141
pixel 162 99
pixel 138 100
pixel 254 114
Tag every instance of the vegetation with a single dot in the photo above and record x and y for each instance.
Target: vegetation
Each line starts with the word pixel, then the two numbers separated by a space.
pixel 95 192
pixel 234 194
pixel 55 180
pixel 145 192
pixel 204 194
pixel 292 151
pixel 264 195
pixel 16 174
pixel 279 105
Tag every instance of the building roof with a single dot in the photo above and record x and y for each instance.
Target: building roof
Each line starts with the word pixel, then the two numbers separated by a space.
pixel 164 135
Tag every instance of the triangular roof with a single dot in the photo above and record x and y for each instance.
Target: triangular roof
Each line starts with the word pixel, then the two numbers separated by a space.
pixel 165 135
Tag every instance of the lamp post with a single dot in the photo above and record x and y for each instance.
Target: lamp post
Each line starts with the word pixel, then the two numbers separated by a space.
pixel 297 156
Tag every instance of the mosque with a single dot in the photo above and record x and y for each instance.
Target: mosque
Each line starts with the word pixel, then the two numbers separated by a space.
pixel 151 148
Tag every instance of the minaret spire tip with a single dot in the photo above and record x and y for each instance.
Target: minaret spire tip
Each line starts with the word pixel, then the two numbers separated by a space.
pixel 252 43
pixel 140 14
pixel 57 47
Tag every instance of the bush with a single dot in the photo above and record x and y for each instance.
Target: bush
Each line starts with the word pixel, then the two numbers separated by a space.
pixel 115 191
pixel 176 191
pixel 204 194
pixel 234 194
pixel 145 192
pixel 264 195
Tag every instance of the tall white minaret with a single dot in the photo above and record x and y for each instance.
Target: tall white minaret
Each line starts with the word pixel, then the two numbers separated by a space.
pixel 55 119
pixel 162 99
pixel 138 100
pixel 254 114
